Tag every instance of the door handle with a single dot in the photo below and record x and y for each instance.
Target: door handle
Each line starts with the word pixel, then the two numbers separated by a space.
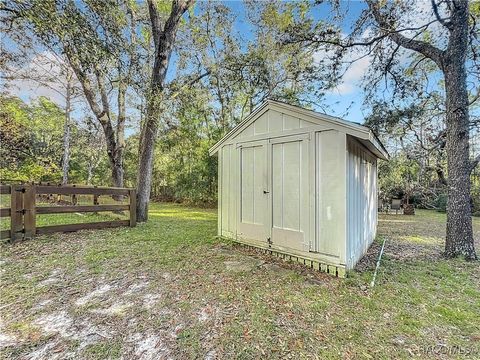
pixel 266 192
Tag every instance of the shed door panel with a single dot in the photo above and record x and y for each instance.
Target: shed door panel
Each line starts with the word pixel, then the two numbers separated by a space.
pixel 253 200
pixel 290 193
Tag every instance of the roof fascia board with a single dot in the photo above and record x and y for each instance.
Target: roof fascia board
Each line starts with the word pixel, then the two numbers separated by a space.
pixel 379 146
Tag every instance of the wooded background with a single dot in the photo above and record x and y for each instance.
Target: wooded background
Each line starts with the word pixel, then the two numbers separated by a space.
pixel 97 59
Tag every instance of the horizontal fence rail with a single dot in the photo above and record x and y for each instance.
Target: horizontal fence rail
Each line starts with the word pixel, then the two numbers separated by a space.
pixel 80 208
pixel 85 190
pixel 24 210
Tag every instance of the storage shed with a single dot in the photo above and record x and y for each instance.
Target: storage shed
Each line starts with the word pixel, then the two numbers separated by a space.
pixel 299 184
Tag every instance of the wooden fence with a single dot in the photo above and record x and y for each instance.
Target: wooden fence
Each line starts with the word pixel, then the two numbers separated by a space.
pixel 23 210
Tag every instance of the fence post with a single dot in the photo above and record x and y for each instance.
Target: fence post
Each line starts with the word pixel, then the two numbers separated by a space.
pixel 95 198
pixel 133 207
pixel 30 213
pixel 4 190
pixel 16 212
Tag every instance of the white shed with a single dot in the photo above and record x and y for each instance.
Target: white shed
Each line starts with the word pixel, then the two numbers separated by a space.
pixel 299 184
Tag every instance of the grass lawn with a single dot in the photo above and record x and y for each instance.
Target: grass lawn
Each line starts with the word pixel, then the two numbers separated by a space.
pixel 170 289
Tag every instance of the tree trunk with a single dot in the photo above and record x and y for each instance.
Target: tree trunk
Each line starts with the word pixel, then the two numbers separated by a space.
pixel 117 172
pixel 459 241
pixel 103 115
pixel 89 173
pixel 164 38
pixel 115 154
pixel 117 169
pixel 66 131
pixel 147 148
pixel 66 148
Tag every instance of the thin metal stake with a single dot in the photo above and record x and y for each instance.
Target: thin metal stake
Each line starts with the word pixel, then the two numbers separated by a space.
pixel 372 284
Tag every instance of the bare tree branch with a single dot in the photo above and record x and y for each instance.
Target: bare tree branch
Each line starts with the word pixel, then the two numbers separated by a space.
pixel 422 47
pixel 441 20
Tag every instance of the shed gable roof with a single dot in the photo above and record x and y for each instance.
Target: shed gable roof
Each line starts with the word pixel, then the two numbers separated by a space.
pixel 362 133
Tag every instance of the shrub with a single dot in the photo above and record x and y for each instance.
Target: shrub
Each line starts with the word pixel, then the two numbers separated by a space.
pixel 441 203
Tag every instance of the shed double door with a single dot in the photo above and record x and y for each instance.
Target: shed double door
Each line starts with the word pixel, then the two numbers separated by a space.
pixel 274 191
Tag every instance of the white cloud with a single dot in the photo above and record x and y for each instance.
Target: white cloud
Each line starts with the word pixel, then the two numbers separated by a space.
pixel 353 76
pixel 357 62
pixel 43 75
pixel 419 14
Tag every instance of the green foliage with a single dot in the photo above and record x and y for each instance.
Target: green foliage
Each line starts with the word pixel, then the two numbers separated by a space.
pixel 183 170
pixel 397 176
pixel 476 200
pixel 31 139
pixel 441 203
pixel 32 144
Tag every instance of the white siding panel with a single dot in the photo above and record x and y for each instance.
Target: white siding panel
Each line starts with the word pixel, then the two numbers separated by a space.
pixel 275 121
pixel 361 201
pixel 248 178
pixel 227 191
pixel 261 125
pixel 277 185
pixel 304 123
pixel 248 131
pixel 292 185
pixel 331 193
pixel 290 122
pixel 259 168
pixel 234 181
pixel 253 178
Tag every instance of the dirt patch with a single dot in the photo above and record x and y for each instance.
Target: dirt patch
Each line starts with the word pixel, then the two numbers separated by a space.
pixel 117 309
pixel 148 347
pixel 52 279
pixel 95 293
pixel 368 261
pixel 211 355
pixel 398 250
pixel 207 313
pixel 150 300
pixel 56 323
pixel 51 350
pixel 7 340
pixel 135 288
pixel 244 264
pixel 275 268
pixel 42 304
